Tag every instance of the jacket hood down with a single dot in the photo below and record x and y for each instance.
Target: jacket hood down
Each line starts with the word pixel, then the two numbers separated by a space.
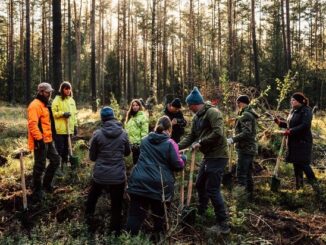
pixel 112 129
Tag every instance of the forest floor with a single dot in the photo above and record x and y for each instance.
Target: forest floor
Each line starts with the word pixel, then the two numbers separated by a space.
pixel 288 216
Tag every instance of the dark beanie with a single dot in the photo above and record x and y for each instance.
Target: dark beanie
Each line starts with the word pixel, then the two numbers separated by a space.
pixel 107 113
pixel 176 103
pixel 244 99
pixel 194 98
pixel 300 98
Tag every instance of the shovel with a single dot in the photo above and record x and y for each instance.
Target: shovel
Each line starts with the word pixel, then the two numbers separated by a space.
pixel 24 216
pixel 74 161
pixel 227 177
pixel 276 182
pixel 189 213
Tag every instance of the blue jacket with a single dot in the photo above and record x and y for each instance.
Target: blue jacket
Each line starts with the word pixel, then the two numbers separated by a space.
pixel 159 157
pixel 109 145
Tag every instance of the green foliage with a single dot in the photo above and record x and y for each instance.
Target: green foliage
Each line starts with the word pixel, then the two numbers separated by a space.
pixel 284 87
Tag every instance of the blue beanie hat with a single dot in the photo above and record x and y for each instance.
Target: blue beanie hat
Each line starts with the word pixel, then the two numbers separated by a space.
pixel 194 98
pixel 107 113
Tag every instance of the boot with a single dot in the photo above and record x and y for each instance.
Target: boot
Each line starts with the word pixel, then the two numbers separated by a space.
pixel 315 186
pixel 298 182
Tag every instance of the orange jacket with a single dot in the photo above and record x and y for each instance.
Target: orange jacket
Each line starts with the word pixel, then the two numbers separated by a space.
pixel 39 123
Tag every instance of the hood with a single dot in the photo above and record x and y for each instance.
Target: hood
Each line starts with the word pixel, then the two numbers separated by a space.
pixel 203 110
pixel 155 138
pixel 250 110
pixel 112 128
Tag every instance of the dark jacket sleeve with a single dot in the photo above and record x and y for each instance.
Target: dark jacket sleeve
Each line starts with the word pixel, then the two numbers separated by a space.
pixel 283 124
pixel 305 122
pixel 188 139
pixel 246 128
pixel 93 149
pixel 127 146
pixel 182 121
pixel 216 121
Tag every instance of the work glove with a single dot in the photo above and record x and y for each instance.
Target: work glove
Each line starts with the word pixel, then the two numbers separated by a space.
pixel 229 141
pixel 66 114
pixel 75 131
pixel 287 132
pixel 184 158
pixel 195 146
pixel 39 144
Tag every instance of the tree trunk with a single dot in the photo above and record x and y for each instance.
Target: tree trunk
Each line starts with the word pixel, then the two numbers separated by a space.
pixel 69 44
pixel 11 53
pixel 254 44
pixel 27 55
pixel 288 35
pixel 153 51
pixel 57 72
pixel 93 59
pixel 78 46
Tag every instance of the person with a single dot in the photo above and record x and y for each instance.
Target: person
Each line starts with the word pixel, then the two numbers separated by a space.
pixel 299 139
pixel 65 115
pixel 136 125
pixel 246 143
pixel 207 135
pixel 151 183
pixel 172 110
pixel 108 147
pixel 41 142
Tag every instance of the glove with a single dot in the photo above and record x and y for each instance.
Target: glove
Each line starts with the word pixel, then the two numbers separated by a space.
pixel 75 131
pixel 39 144
pixel 184 158
pixel 66 114
pixel 229 141
pixel 195 146
pixel 287 132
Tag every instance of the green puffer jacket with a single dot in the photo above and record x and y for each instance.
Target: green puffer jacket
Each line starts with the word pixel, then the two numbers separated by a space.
pixel 137 127
pixel 60 106
pixel 245 131
pixel 208 129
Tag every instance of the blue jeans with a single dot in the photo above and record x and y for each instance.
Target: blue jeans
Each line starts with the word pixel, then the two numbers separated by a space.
pixel 208 187
pixel 244 171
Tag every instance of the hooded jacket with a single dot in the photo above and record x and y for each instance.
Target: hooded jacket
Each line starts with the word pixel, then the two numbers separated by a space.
pixel 208 129
pixel 59 107
pixel 159 157
pixel 245 131
pixel 108 147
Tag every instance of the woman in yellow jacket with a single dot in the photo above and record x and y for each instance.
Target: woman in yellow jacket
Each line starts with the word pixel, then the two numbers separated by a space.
pixel 65 120
pixel 136 126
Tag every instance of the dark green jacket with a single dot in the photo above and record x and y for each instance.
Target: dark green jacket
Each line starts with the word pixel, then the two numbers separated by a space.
pixel 208 129
pixel 245 131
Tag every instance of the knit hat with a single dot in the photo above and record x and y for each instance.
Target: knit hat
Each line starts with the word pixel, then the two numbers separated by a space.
pixel 194 98
pixel 107 113
pixel 300 98
pixel 46 87
pixel 244 99
pixel 176 103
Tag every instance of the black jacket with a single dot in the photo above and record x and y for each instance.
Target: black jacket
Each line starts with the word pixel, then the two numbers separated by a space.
pixel 109 145
pixel 299 143
pixel 177 129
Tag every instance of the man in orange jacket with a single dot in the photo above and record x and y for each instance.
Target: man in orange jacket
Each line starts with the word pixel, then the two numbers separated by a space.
pixel 40 140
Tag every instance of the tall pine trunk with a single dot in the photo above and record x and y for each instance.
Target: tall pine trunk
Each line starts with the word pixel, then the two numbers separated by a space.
pixel 56 42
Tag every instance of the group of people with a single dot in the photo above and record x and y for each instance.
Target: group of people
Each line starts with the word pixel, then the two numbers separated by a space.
pixel 48 130
pixel 156 155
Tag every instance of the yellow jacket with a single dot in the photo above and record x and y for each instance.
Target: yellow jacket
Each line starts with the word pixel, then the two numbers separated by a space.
pixel 59 107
